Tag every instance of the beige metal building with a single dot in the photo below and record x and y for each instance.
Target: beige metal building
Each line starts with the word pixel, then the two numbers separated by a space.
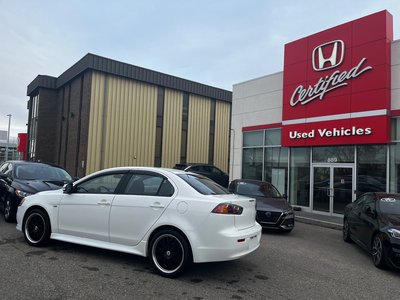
pixel 103 113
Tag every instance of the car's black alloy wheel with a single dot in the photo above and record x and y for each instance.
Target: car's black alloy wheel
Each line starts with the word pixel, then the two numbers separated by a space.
pixel 169 253
pixel 378 252
pixel 9 211
pixel 346 231
pixel 36 227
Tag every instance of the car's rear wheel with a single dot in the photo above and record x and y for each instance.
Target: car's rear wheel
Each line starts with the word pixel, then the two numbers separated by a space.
pixel 169 253
pixel 378 252
pixel 9 211
pixel 346 231
pixel 36 228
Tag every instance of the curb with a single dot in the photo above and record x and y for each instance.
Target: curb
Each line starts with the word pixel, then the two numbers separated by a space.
pixel 321 223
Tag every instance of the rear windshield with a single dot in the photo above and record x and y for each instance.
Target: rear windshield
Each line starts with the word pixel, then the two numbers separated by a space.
pixel 41 172
pixel 257 189
pixel 203 184
pixel 390 205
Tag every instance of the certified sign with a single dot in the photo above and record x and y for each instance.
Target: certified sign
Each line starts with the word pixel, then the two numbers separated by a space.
pixel 336 86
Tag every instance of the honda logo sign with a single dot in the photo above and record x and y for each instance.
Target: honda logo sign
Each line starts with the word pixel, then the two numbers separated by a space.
pixel 328 55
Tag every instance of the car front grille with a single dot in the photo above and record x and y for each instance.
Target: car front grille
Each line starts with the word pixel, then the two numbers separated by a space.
pixel 268 216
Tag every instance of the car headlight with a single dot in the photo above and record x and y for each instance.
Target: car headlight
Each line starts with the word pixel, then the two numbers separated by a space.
pixel 21 194
pixel 394 233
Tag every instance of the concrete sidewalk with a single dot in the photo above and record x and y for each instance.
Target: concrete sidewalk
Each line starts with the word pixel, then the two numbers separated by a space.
pixel 319 220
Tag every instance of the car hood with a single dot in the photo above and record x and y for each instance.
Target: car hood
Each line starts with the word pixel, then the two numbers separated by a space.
pixel 272 204
pixel 391 220
pixel 34 186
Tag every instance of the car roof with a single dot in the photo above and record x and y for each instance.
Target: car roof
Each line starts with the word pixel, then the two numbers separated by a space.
pixel 141 168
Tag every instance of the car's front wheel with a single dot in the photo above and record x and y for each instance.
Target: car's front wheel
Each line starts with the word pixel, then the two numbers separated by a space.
pixel 346 231
pixel 378 252
pixel 169 253
pixel 36 228
pixel 9 211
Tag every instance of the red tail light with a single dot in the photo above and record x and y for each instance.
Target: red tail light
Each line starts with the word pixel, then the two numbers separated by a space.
pixel 228 209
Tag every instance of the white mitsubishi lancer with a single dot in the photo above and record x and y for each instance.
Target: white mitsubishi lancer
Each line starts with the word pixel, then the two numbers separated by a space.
pixel 171 216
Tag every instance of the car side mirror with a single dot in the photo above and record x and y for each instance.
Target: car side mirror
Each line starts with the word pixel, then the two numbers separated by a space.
pixel 68 188
pixel 284 196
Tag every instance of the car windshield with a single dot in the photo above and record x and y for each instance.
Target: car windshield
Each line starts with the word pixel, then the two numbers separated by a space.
pixel 257 189
pixel 41 172
pixel 203 184
pixel 390 205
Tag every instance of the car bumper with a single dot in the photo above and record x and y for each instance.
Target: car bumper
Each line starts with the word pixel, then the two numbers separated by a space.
pixel 283 222
pixel 394 257
pixel 229 245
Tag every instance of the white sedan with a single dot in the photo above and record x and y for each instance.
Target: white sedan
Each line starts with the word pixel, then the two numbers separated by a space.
pixel 171 216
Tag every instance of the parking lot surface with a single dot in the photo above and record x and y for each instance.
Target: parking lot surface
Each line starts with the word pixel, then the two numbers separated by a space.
pixel 312 262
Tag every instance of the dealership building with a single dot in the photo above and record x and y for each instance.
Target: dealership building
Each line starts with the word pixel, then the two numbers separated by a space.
pixel 327 128
pixel 103 113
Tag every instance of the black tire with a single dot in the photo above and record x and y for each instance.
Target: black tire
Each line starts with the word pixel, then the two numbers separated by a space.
pixel 36 228
pixel 379 252
pixel 346 232
pixel 9 211
pixel 169 253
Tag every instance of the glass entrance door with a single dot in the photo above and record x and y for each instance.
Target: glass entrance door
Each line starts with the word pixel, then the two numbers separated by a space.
pixel 332 188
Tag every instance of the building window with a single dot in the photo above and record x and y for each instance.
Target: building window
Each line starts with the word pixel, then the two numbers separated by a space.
pixel 253 138
pixel 264 158
pixel 337 154
pixel 33 126
pixel 300 176
pixel 371 168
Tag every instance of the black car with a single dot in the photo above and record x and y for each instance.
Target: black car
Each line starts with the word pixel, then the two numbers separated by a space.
pixel 373 222
pixel 207 170
pixel 19 179
pixel 273 209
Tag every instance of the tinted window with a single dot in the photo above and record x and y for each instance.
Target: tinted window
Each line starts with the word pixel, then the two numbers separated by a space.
pixel 105 184
pixel 390 205
pixel 203 184
pixel 41 172
pixel 6 168
pixel 257 189
pixel 150 185
pixel 216 171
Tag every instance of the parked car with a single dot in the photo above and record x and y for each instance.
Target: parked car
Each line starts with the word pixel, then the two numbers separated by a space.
pixel 373 222
pixel 171 216
pixel 19 179
pixel 207 170
pixel 273 209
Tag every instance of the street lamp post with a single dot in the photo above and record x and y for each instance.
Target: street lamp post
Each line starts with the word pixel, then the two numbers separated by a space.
pixel 8 136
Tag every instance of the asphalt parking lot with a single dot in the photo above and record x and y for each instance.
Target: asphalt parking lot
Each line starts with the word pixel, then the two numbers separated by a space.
pixel 312 262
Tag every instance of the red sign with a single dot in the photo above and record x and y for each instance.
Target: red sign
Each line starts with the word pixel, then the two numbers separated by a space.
pixel 336 85
pixel 22 144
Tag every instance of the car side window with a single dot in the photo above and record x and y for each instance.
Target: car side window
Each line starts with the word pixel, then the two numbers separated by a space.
pixel 105 184
pixel 3 167
pixel 149 185
pixel 368 204
pixel 216 171
pixel 8 170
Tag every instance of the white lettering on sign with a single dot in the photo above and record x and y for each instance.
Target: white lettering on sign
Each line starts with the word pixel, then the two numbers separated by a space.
pixel 326 84
pixel 335 132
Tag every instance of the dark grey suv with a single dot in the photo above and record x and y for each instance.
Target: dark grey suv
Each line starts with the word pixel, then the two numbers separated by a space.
pixel 207 170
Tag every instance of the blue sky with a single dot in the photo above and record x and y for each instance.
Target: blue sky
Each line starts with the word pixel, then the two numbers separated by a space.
pixel 219 43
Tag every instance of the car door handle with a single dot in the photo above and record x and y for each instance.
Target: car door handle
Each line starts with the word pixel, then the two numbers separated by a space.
pixel 103 202
pixel 157 205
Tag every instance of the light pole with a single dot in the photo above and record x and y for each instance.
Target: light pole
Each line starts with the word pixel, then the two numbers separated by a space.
pixel 8 136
